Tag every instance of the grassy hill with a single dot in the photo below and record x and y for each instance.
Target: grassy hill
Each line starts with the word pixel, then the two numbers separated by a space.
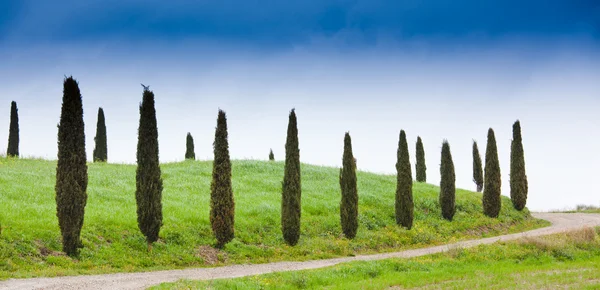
pixel 30 240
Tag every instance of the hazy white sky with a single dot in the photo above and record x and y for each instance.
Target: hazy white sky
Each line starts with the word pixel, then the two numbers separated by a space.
pixel 455 94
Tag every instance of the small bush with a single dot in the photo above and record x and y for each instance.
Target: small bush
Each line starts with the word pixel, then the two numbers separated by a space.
pixel 189 147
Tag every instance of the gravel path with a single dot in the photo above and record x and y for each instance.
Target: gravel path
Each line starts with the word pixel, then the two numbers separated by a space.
pixel 561 222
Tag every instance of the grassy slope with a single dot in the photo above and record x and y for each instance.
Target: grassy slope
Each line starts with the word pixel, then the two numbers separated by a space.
pixel 30 241
pixel 560 261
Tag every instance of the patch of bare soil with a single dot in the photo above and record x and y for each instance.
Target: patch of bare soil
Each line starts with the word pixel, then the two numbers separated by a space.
pixel 210 255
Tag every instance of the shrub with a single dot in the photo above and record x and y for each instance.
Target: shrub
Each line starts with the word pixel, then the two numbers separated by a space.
pixel 420 167
pixel 518 178
pixel 148 193
pixel 447 183
pixel 349 202
pixel 71 169
pixel 101 148
pixel 13 133
pixel 222 205
pixel 477 168
pixel 271 155
pixel 292 190
pixel 189 147
pixel 493 182
pixel 404 198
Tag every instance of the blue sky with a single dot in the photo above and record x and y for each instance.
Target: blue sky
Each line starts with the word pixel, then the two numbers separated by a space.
pixel 273 24
pixel 437 69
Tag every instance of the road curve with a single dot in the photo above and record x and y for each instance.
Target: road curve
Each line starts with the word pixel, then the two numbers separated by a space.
pixel 561 222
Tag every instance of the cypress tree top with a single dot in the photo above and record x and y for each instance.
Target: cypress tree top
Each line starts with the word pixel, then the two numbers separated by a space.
pixel 349 202
pixel 101 148
pixel 222 205
pixel 477 168
pixel 71 169
pixel 447 183
pixel 492 178
pixel 420 166
pixel 404 196
pixel 291 192
pixel 189 145
pixel 518 178
pixel 149 185
pixel 13 135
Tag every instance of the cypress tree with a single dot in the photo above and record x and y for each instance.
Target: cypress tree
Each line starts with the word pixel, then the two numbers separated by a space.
pixel 493 182
pixel 292 190
pixel 349 202
pixel 271 155
pixel 71 169
pixel 404 197
pixel 101 148
pixel 222 206
pixel 13 133
pixel 477 168
pixel 420 166
pixel 148 192
pixel 518 178
pixel 189 147
pixel 447 183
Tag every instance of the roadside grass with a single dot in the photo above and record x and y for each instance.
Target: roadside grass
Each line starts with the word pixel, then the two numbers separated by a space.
pixel 568 260
pixel 30 239
pixel 583 208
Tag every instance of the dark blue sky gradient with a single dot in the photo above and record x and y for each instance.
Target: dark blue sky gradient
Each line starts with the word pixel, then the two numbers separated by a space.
pixel 284 23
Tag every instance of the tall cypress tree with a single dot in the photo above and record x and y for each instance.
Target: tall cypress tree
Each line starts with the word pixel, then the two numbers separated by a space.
pixel 189 147
pixel 13 133
pixel 518 178
pixel 101 148
pixel 148 192
pixel 420 166
pixel 447 183
pixel 493 182
pixel 271 155
pixel 349 202
pixel 477 168
pixel 404 196
pixel 71 169
pixel 222 206
pixel 292 189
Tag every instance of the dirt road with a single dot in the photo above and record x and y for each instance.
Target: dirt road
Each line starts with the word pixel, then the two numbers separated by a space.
pixel 561 222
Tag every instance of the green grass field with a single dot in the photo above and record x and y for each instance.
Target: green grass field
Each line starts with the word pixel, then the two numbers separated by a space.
pixel 564 261
pixel 30 240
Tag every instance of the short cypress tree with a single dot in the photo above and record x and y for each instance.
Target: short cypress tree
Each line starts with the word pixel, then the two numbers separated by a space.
pixel 447 183
pixel 101 148
pixel 189 147
pixel 349 202
pixel 71 169
pixel 271 155
pixel 492 187
pixel 222 206
pixel 404 197
pixel 292 189
pixel 518 178
pixel 420 166
pixel 477 168
pixel 13 133
pixel 148 192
